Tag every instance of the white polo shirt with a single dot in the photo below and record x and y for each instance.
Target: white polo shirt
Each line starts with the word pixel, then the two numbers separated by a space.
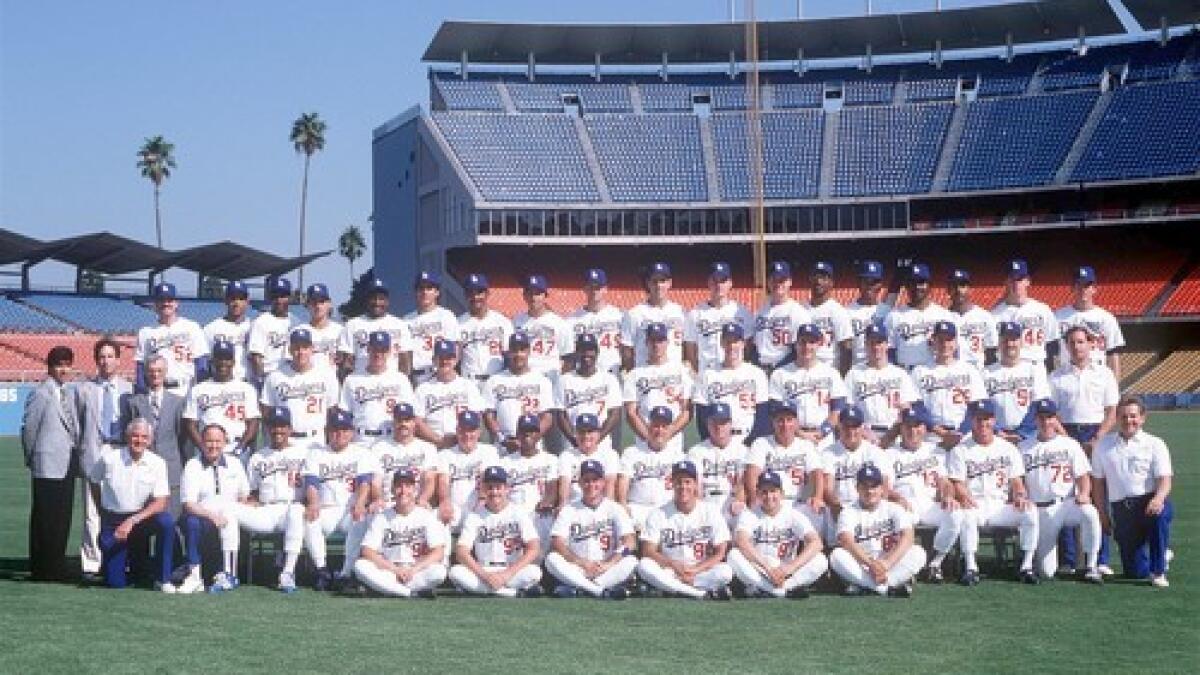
pixel 224 482
pixel 1131 467
pixel 126 485
pixel 1082 394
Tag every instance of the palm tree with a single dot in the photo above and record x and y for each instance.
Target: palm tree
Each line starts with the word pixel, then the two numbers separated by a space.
pixel 156 159
pixel 351 246
pixel 308 136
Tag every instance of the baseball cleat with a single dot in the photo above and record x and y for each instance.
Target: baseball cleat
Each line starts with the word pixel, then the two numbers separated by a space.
pixel 222 583
pixel 618 593
pixel 564 591
pixel 287 582
pixel 934 575
pixel 904 590
pixel 427 594
pixel 721 594
pixel 1159 581
pixel 1105 570
pixel 1030 577
pixel 192 583
pixel 534 591
pixel 852 590
pixel 969 578
pixel 324 581
pixel 798 593
pixel 1093 576
pixel 167 587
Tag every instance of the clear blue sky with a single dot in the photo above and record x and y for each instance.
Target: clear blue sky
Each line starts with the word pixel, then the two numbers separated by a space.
pixel 83 83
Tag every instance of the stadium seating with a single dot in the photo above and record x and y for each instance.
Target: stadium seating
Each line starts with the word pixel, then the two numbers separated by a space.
pixel 1078 72
pixel 889 150
pixel 1148 130
pixel 1011 142
pixel 1179 372
pixel 666 97
pixel 791 154
pixel 650 157
pixel 16 317
pixel 1132 362
pixel 803 95
pixel 604 97
pixel 99 314
pixel 533 97
pixel 1149 61
pixel 868 92
pixel 1186 298
pixel 469 95
pixel 1001 78
pixel 23 356
pixel 935 89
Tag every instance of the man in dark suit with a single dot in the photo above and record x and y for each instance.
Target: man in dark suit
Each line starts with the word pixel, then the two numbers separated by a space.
pixel 164 410
pixel 51 439
pixel 105 397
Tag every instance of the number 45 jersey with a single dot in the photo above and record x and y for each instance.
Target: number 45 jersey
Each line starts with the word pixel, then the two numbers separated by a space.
pixel 227 404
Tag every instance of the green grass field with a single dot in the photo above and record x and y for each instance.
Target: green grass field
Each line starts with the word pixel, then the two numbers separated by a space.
pixel 1000 626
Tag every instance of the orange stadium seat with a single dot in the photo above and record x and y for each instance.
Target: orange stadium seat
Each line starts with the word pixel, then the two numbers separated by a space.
pixel 1186 298
pixel 35 346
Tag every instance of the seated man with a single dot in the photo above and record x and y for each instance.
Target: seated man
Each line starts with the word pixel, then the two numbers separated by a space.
pixel 133 505
pixel 498 546
pixel 276 490
pixel 644 484
pixel 721 459
pixel 777 552
pixel 592 541
pixel 684 542
pixel 533 477
pixel 212 484
pixel 459 469
pixel 404 546
pixel 875 541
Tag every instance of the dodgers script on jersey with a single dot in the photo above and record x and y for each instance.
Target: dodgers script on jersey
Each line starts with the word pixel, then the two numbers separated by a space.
pixel 1039 327
pixel 462 470
pixel 976 335
pixel 842 465
pixel 687 537
pixel 269 339
pixel 633 330
pixel 402 539
pixel 877 530
pixel 649 474
pixel 703 327
pixel 910 330
pixel 881 393
pixel 720 469
pixel 511 396
pixel 810 391
pixel 179 343
pixel 370 397
pixel 1013 389
pixel 986 469
pixel 236 334
pixel 326 340
pixel 275 474
pixel 915 473
pixel 439 403
pixel 1051 467
pixel 417 454
pixel 742 388
pixel 778 538
pixel 947 390
pixel 775 330
pixel 358 331
pixel 605 324
pixel 571 458
pixel 835 327
pixel 337 473
pixel 667 385
pixel 1100 322
pixel 592 533
pixel 529 477
pixel 862 316
pixel 595 395
pixel 793 463
pixel 306 395
pixel 497 538
pixel 228 404
pixel 482 341
pixel 549 340
pixel 426 328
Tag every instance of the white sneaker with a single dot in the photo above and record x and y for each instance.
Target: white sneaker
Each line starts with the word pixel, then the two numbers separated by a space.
pixel 168 587
pixel 1159 581
pixel 287 582
pixel 192 583
pixel 221 583
pixel 1105 570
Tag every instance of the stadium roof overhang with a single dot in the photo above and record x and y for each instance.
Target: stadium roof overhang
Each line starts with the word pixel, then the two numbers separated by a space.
pixel 1151 14
pixel 103 252
pixel 229 260
pixel 16 247
pixel 631 44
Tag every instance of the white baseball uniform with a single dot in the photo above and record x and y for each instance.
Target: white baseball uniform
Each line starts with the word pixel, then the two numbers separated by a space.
pixel 530 478
pixel 667 385
pixel 742 389
pixel 510 396
pixel 834 322
pixel 326 340
pixel 878 531
pixel 1051 469
pixel 688 537
pixel 987 471
pixel 1013 389
pixel 179 343
pixel 497 540
pixel 810 391
pixel 307 396
pixel 593 533
pixel 649 475
pixel 947 390
pixel 910 330
pixel 842 465
pixel 227 404
pixel 775 328
pixel 424 329
pixel 862 316
pixel 370 398
pixel 793 463
pixel 550 338
pixel 779 538
pixel 721 470
pixel 336 475
pixel 633 330
pixel 402 539
pixel 881 393
pixel 357 332
pixel 275 477
pixel 482 341
pixel 439 403
pixel 237 334
pixel 571 458
pixel 976 334
pixel 269 339
pixel 596 395
pixel 915 476
pixel 703 328
pixel 463 470
pixel 605 323
pixel 1102 324
pixel 391 455
pixel 1039 327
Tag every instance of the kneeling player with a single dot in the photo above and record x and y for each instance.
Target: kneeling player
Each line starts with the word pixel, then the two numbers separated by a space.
pixel 684 542
pixel 592 541
pixel 875 541
pixel 778 553
pixel 498 545
pixel 403 548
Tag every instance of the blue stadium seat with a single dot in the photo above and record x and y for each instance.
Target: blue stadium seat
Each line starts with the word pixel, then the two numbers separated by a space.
pixel 95 313
pixel 1000 78
pixel 889 150
pixel 868 92
pixel 469 95
pixel 791 154
pixel 650 157
pixel 16 317
pixel 666 97
pixel 535 97
pixel 1148 130
pixel 802 95
pixel 1151 61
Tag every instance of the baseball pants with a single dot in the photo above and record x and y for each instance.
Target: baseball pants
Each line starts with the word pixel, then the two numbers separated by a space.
pixel 199 531
pixel 1066 514
pixel 89 547
pixel 331 519
pixel 116 555
pixel 754 578
pixel 949 524
pixel 385 582
pixel 822 522
pixel 999 514
pixel 466 580
pixel 852 572
pixel 573 575
pixel 664 579
pixel 272 518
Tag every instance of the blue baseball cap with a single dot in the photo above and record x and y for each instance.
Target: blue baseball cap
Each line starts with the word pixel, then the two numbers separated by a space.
pixel 591 466
pixel 1085 275
pixel 779 269
pixel 495 474
pixel 404 474
pixel 280 288
pixel 376 285
pixel 661 413
pixel 851 416
pixel 945 328
pixel 656 330
pixel 720 412
pixel 659 269
pixel 300 336
pixel 869 474
pixel 475 283
pixel 914 415
pixel 444 349
pixel 720 271
pixel 1018 269
pixel 769 479
pixel 518 340
pixel 536 283
pixel 317 292
pixel 278 416
pixel 781 408
pixel 528 422
pixel 1010 329
pixel 960 277
pixel 684 466
pixel 809 331
pixel 1045 406
pixel 983 407
pixel 822 267
pixel 164 291
pixel 595 277
pixel 403 411
pixel 875 331
pixel 919 272
pixel 235 289
pixel 223 349
pixel 379 340
pixel 870 269
pixel 337 418
pixel 587 422
pixel 586 342
pixel 427 278
pixel 468 419
pixel 732 331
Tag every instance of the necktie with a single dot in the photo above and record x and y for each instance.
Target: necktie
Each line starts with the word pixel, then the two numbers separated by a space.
pixel 108 410
pixel 154 403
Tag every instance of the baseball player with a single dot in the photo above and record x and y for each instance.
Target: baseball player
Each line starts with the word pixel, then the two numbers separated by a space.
pixel 268 340
pixel 876 549
pixel 1039 325
pixel 702 330
pixel 223 400
pixel 308 392
pixel 588 390
pixel 880 389
pixel 798 462
pixel 498 550
pixel 987 472
pixel 658 309
pixel 645 481
pixel 948 386
pixel 354 347
pixel 600 320
pixel 977 339
pixel 440 401
pixel 459 468
pixel 739 385
pixel 910 326
pixel 177 339
pixel 842 460
pixel 511 394
pixel 813 388
pixel 867 309
pixel 428 323
pixel 592 541
pixel 722 463
pixel 533 476
pixel 404 545
pixel 549 336
pixel 776 552
pixel 211 486
pixel 1058 476
pixel 919 484
pixel 837 333
pixel 482 332
pixel 276 489
pixel 660 382
pixel 684 542
pixel 776 323
pixel 588 447
pixel 1013 384
pixel 405 451
pixel 1083 311
pixel 371 395
pixel 337 488
pixel 233 328
pixel 326 333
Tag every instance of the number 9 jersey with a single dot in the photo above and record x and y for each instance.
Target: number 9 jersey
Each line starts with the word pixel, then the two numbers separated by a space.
pixel 687 537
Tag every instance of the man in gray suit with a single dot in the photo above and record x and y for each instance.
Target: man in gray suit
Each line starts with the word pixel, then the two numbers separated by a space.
pixel 164 410
pixel 105 396
pixel 51 440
